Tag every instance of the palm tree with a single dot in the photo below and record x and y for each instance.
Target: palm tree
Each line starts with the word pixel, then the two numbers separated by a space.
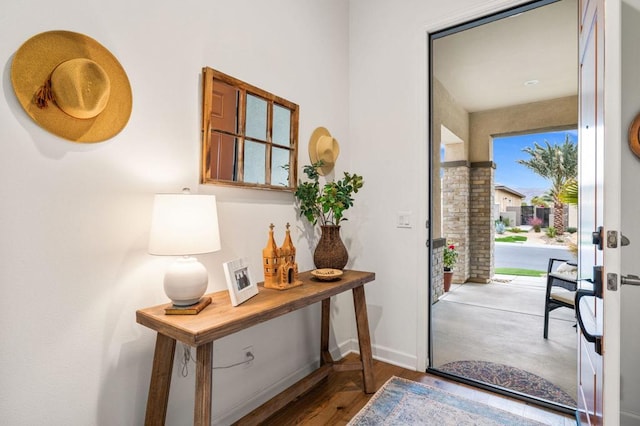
pixel 557 163
pixel 539 201
pixel 569 193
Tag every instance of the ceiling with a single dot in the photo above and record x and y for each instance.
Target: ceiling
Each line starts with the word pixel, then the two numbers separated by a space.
pixel 486 67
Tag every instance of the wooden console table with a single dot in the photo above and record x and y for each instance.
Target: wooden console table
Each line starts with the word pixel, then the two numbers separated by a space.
pixel 220 319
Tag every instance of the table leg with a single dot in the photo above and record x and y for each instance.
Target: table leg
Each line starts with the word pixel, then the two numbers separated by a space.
pixel 364 340
pixel 160 381
pixel 202 413
pixel 325 355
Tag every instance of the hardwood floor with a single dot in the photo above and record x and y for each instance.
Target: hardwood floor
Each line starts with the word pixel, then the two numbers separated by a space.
pixel 338 398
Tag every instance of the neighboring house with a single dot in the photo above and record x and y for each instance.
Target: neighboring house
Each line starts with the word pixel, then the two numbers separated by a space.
pixel 507 203
pixel 507 197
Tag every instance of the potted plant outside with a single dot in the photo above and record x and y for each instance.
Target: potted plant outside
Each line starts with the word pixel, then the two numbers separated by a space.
pixel 326 204
pixel 449 259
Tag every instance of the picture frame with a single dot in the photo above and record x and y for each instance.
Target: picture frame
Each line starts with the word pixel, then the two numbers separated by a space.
pixel 239 281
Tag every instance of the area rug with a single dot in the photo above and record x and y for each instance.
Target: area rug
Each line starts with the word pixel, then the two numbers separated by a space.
pixel 510 378
pixel 404 402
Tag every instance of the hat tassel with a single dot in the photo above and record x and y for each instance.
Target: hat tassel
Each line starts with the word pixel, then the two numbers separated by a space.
pixel 44 94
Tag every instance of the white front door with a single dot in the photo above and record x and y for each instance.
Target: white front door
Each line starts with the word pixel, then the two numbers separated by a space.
pixel 600 207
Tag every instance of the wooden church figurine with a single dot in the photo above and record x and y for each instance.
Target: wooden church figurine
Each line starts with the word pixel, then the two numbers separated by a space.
pixel 279 263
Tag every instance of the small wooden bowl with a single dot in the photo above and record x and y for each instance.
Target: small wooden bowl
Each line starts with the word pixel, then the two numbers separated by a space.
pixel 327 274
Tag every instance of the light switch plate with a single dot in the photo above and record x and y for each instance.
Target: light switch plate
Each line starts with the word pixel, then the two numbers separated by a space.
pixel 404 219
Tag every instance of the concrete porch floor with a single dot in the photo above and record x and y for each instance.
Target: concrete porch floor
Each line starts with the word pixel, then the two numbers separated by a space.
pixel 502 322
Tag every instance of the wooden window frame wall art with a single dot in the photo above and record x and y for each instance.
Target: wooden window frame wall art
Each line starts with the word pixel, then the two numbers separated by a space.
pixel 226 136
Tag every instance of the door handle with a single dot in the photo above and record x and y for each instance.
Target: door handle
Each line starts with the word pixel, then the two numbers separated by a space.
pixel 630 279
pixel 589 328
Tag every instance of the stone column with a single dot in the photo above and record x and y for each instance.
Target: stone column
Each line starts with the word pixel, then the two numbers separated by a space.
pixel 481 226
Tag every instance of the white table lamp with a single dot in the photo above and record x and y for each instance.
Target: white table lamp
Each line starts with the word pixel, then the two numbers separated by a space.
pixel 183 225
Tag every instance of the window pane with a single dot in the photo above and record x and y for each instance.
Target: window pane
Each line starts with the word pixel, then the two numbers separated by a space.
pixel 254 162
pixel 256 117
pixel 281 125
pixel 280 167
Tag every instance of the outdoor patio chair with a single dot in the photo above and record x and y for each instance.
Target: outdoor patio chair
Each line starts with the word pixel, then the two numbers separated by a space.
pixel 561 288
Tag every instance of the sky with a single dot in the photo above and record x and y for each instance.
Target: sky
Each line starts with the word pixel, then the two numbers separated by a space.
pixel 507 150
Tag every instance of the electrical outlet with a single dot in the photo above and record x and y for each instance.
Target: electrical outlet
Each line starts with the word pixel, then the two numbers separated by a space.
pixel 248 355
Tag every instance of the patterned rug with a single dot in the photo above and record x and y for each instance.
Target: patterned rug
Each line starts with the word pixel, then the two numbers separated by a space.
pixel 404 402
pixel 510 378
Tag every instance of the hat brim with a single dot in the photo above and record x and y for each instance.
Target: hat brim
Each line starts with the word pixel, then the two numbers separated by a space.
pixel 313 149
pixel 37 58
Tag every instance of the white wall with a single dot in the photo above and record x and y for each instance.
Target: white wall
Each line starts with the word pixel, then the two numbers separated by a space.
pixel 74 219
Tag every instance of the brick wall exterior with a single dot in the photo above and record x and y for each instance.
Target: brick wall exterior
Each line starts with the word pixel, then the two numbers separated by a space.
pixel 455 214
pixel 467 221
pixel 481 226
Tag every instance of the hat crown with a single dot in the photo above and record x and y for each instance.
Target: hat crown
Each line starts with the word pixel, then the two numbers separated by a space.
pixel 327 149
pixel 80 88
pixel 323 146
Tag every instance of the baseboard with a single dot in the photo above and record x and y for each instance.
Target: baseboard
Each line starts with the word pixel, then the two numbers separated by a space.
pixel 392 356
pixel 380 353
pixel 345 348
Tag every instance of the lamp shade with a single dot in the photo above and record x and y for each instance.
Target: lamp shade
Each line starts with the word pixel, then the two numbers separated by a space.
pixel 184 224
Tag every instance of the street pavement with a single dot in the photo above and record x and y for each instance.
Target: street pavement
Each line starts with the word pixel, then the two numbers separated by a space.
pixel 528 256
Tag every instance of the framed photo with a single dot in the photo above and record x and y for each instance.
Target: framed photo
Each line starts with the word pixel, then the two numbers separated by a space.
pixel 241 285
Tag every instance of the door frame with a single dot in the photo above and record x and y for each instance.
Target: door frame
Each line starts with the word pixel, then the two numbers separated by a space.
pixel 612 206
pixel 612 185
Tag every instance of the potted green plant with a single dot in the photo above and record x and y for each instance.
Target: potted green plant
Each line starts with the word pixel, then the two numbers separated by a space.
pixel 326 204
pixel 449 259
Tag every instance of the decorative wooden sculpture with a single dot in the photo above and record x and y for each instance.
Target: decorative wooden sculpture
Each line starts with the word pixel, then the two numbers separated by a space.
pixel 279 264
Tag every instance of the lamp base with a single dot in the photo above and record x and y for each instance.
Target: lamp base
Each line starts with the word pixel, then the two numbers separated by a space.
pixel 186 281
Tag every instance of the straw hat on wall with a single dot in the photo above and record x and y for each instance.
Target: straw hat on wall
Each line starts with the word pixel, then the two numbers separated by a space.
pixel 72 86
pixel 323 146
